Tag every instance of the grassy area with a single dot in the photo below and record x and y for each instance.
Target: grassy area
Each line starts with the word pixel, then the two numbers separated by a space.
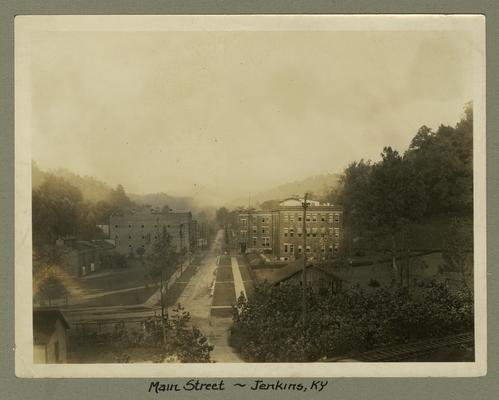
pixel 224 294
pixel 224 274
pixel 115 279
pixel 132 297
pixel 178 287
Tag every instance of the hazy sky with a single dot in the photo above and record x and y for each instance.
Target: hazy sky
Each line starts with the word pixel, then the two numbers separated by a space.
pixel 223 114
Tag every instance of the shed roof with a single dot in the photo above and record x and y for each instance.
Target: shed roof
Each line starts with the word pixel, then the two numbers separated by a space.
pixel 296 267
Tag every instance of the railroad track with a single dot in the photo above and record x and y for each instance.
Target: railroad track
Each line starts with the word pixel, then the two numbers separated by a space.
pixel 407 351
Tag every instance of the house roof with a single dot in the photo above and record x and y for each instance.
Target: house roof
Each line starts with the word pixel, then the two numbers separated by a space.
pixel 293 268
pixel 103 244
pixel 44 321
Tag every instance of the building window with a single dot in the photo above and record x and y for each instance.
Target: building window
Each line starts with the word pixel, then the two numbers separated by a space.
pixel 291 218
pixel 299 249
pixel 299 219
pixel 309 249
pixel 263 230
pixel 330 217
pixel 286 248
pixel 292 248
pixel 286 232
pixel 336 232
pixel 254 241
pixel 129 226
pixel 129 236
pixel 323 219
pixel 286 218
pixel 116 226
pixel 143 237
pixel 336 217
pixel 291 232
pixel 314 218
pixel 308 219
pixel 155 226
pixel 142 226
pixel 263 219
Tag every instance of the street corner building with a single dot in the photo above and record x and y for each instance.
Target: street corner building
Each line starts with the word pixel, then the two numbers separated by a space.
pixel 140 229
pixel 49 336
pixel 279 232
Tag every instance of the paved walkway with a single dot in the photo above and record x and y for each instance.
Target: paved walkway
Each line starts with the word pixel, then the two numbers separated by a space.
pixel 238 279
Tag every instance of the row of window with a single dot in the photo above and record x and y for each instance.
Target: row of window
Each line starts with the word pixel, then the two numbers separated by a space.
pixel 334 217
pixel 312 231
pixel 130 237
pixel 264 243
pixel 313 217
pixel 290 248
pixel 144 226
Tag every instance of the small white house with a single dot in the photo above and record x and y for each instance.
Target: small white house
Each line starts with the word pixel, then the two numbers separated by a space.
pixel 49 336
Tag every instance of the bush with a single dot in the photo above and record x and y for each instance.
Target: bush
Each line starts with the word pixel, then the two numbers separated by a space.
pixel 269 326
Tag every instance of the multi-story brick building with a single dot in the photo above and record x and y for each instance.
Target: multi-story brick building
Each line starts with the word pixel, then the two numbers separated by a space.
pixel 142 228
pixel 255 230
pixel 282 232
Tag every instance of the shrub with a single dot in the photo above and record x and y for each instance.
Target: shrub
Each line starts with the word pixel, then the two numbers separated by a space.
pixel 269 326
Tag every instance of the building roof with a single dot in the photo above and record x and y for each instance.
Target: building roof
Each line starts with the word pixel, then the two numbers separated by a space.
pixel 44 321
pixel 103 244
pixel 293 268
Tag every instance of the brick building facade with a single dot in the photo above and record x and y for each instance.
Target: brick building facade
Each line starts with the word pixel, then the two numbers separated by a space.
pixel 280 232
pixel 141 229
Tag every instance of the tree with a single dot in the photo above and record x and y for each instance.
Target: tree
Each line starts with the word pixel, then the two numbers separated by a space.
pixel 445 161
pixel 267 326
pixel 164 261
pixel 222 216
pixel 56 210
pixel 396 197
pixel 49 279
pixel 269 205
pixel 119 198
pixel 458 246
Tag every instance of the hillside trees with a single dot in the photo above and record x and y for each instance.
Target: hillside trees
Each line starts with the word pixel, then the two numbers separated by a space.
pixel 433 177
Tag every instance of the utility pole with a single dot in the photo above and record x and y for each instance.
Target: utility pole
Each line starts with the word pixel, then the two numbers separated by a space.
pixel 181 235
pixel 305 205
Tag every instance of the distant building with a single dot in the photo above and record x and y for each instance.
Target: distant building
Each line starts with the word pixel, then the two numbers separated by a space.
pixel 80 257
pixel 49 337
pixel 280 231
pixel 141 229
pixel 255 231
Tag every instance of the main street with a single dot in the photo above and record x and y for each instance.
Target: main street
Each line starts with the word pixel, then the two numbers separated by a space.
pixel 197 298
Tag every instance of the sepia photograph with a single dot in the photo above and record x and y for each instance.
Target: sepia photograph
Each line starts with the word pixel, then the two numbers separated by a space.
pixel 250 195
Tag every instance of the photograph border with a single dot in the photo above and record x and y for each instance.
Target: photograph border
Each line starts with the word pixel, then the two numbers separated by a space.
pixel 28 26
